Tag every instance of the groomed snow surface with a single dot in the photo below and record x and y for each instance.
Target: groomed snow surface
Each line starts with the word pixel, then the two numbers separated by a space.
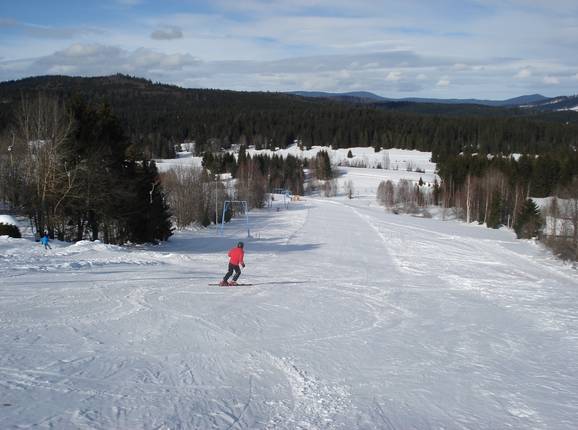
pixel 356 319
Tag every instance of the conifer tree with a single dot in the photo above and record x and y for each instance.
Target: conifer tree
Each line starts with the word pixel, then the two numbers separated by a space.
pixel 529 221
pixel 323 166
pixel 159 226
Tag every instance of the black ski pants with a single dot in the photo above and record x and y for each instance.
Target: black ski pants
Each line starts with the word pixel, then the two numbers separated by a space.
pixel 236 269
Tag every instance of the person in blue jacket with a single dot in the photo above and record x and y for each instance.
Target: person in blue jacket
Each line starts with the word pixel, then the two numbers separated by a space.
pixel 44 241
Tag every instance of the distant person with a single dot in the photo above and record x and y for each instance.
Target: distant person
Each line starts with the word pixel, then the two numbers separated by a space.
pixel 235 259
pixel 44 241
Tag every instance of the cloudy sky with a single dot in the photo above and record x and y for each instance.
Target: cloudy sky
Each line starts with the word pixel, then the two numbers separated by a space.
pixel 492 49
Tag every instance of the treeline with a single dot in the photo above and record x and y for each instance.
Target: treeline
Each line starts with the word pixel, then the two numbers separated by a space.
pixel 68 168
pixel 157 116
pixel 539 175
pixel 497 190
pixel 408 197
pixel 272 171
pixel 196 195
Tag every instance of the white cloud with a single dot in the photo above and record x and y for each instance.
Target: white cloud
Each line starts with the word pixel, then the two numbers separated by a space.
pixel 443 82
pixel 167 33
pixel 62 70
pixel 95 59
pixel 475 48
pixel 460 67
pixel 17 66
pixel 523 73
pixel 87 50
pixel 48 31
pixel 551 80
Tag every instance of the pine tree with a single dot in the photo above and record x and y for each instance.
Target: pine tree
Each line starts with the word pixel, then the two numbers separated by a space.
pixel 529 221
pixel 10 230
pixel 494 217
pixel 159 217
pixel 323 166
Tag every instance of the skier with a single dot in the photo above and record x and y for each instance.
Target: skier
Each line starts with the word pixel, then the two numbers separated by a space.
pixel 235 259
pixel 44 241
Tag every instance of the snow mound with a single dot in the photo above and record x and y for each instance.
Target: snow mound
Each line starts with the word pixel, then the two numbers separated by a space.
pixel 8 220
pixel 97 245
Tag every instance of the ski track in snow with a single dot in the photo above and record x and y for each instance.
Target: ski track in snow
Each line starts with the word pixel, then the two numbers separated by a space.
pixel 356 319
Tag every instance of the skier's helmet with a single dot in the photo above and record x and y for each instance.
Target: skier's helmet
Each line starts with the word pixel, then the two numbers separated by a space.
pixel 240 245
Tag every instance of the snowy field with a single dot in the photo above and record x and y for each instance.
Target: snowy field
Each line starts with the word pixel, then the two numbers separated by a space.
pixel 398 160
pixel 395 159
pixel 365 180
pixel 356 319
pixel 185 160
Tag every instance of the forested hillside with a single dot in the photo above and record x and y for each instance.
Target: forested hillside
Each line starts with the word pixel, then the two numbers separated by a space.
pixel 155 116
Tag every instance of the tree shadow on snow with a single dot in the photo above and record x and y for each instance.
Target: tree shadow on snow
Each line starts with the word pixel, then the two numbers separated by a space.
pixel 140 277
pixel 219 244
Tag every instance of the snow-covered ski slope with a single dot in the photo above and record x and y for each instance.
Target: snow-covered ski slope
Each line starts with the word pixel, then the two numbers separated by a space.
pixel 357 319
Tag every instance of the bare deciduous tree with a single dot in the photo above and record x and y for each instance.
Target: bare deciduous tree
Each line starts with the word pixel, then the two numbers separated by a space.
pixel 349 189
pixel 43 127
pixel 330 188
pixel 192 195
pixel 386 194
pixel 251 185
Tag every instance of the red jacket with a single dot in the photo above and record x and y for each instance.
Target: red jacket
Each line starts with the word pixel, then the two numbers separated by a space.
pixel 236 255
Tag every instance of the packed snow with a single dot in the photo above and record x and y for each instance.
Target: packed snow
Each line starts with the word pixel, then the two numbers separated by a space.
pixel 355 319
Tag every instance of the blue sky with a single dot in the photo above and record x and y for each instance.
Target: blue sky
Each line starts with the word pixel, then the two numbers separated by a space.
pixel 445 48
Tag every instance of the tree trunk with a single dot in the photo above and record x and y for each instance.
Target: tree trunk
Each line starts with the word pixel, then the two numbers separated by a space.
pixel 468 217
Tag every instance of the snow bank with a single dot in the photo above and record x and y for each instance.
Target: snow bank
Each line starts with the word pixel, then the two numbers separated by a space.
pixel 25 255
pixel 8 220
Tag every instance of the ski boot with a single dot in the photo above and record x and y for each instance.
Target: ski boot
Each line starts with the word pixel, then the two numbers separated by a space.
pixel 223 284
pixel 232 283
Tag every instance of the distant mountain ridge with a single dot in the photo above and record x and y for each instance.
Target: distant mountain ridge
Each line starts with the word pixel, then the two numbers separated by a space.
pixel 562 103
pixel 368 97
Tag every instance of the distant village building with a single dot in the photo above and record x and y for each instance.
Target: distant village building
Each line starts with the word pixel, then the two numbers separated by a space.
pixel 185 148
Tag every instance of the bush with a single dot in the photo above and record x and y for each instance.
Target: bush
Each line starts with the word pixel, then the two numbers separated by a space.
pixel 563 247
pixel 10 230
